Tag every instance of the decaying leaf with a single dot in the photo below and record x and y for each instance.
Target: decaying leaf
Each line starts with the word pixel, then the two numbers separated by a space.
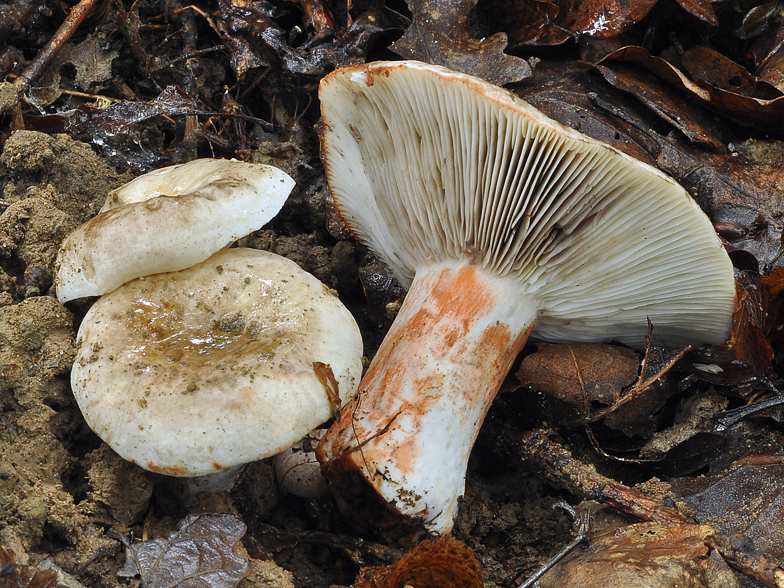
pixel 440 34
pixel 254 23
pixel 439 563
pixel 746 502
pixel 552 22
pixel 199 555
pixel 733 95
pixel 115 119
pixel 691 440
pixel 18 576
pixel 581 376
pixel 644 555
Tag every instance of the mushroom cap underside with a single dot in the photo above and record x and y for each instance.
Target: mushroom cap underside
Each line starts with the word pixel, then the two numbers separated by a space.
pixel 426 164
pixel 168 220
pixel 190 372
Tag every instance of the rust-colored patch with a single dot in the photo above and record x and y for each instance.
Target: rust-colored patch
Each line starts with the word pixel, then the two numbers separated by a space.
pixel 217 467
pixel 442 562
pixel 167 470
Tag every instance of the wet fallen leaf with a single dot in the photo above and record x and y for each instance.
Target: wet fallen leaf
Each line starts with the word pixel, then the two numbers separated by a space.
pixel 761 109
pixel 18 576
pixel 440 33
pixel 601 19
pixel 440 563
pixel 746 502
pixel 552 22
pixel 118 117
pixel 644 554
pixel 199 555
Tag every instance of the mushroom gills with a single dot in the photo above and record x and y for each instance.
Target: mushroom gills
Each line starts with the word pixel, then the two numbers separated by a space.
pixel 503 223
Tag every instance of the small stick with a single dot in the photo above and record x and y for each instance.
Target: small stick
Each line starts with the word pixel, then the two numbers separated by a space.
pixel 583 520
pixel 53 47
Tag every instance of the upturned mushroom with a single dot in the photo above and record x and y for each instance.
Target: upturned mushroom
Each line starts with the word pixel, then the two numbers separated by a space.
pixel 167 220
pixel 202 370
pixel 501 223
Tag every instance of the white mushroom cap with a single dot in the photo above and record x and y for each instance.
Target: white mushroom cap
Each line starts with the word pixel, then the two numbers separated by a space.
pixel 190 372
pixel 426 164
pixel 168 220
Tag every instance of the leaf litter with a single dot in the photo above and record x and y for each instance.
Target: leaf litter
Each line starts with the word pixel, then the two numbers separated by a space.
pixel 198 555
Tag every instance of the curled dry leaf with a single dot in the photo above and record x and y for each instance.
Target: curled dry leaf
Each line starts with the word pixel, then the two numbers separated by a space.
pixel 763 109
pixel 440 563
pixel 199 555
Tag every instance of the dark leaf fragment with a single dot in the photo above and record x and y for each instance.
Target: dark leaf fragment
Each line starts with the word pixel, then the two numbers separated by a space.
pixel 746 502
pixel 116 118
pixel 440 34
pixel 199 555
pixel 321 55
pixel 17 576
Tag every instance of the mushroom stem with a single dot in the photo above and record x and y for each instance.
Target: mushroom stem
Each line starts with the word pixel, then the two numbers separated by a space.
pixel 409 431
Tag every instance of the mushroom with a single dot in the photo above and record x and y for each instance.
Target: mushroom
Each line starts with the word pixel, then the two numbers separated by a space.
pixel 166 221
pixel 298 471
pixel 501 223
pixel 192 372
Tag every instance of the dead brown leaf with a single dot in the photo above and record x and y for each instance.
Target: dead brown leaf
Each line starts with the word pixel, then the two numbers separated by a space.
pixel 759 110
pixel 440 33
pixel 18 576
pixel 644 554
pixel 746 502
pixel 581 375
pixel 667 102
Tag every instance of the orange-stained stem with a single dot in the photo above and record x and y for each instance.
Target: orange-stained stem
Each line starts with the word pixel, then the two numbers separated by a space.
pixel 409 430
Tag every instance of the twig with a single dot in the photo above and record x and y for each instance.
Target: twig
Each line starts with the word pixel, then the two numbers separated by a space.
pixel 584 520
pixel 51 49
